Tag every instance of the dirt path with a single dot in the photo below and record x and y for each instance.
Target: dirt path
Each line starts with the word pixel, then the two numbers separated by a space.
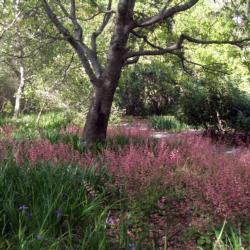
pixel 143 124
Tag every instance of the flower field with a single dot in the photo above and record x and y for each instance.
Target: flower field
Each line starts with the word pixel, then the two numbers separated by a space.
pixel 134 192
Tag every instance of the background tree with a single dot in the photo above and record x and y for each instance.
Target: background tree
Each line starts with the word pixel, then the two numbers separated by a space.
pixel 34 64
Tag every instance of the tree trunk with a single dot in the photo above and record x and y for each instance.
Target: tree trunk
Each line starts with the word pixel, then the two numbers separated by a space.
pixel 95 129
pixel 19 92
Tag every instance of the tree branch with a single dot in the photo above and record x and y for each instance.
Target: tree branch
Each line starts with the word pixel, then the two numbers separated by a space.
pixel 6 28
pixel 77 26
pixel 72 16
pixel 205 67
pixel 77 41
pixel 172 50
pixel 145 39
pixel 166 13
pixel 54 19
pixel 104 23
pixel 65 12
pixel 132 61
pixel 11 65
pixel 239 43
pixel 98 13
pixel 176 48
pixel 78 45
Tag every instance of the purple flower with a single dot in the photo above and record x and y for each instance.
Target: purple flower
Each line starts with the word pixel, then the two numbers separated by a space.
pixel 132 246
pixel 25 211
pixel 23 208
pixel 39 237
pixel 59 213
pixel 111 220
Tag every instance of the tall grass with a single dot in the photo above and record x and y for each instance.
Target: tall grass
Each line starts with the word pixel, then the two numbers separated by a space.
pixel 29 127
pixel 169 123
pixel 231 238
pixel 51 208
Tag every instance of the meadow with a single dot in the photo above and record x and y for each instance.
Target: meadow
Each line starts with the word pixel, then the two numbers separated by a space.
pixel 133 192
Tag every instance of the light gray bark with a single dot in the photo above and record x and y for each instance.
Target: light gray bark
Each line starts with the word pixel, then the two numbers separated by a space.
pixel 19 93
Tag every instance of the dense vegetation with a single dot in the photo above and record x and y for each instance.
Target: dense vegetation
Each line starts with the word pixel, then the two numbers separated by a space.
pixel 40 72
pixel 135 192
pixel 172 169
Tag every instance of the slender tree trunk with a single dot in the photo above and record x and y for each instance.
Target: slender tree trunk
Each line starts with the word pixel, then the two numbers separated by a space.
pixel 19 93
pixel 248 9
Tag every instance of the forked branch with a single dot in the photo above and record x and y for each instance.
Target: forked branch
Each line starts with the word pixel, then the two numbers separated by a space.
pixel 166 13
pixel 177 48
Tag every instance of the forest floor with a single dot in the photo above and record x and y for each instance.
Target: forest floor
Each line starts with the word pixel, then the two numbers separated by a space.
pixel 144 124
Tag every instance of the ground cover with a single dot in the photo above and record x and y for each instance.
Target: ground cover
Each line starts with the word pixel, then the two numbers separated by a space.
pixel 135 192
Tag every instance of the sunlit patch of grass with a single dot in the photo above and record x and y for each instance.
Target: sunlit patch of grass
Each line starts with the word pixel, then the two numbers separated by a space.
pixel 231 238
pixel 169 123
pixel 30 126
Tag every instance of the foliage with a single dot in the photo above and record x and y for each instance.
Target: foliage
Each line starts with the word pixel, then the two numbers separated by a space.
pixel 217 106
pixel 169 123
pixel 54 78
pixel 134 191
pixel 230 238
pixel 7 90
pixel 168 192
pixel 147 90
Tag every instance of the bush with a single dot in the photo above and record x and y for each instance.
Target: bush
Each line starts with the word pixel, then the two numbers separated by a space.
pixel 172 191
pixel 147 90
pixel 167 123
pixel 7 90
pixel 218 107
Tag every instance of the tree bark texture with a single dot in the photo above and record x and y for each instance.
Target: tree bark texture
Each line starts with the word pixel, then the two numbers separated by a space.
pixel 96 125
pixel 95 129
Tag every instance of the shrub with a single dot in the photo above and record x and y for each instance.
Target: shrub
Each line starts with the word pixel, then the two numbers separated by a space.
pixel 147 90
pixel 167 123
pixel 216 106
pixel 179 187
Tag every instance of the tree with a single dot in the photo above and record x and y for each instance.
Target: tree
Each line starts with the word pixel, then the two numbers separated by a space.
pixel 130 24
pixel 24 54
pixel 13 41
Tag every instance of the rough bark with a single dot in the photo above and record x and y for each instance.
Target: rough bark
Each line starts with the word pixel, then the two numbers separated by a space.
pixel 97 119
pixel 95 129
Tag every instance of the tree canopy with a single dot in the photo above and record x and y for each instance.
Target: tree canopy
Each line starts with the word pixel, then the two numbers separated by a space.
pixel 67 48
